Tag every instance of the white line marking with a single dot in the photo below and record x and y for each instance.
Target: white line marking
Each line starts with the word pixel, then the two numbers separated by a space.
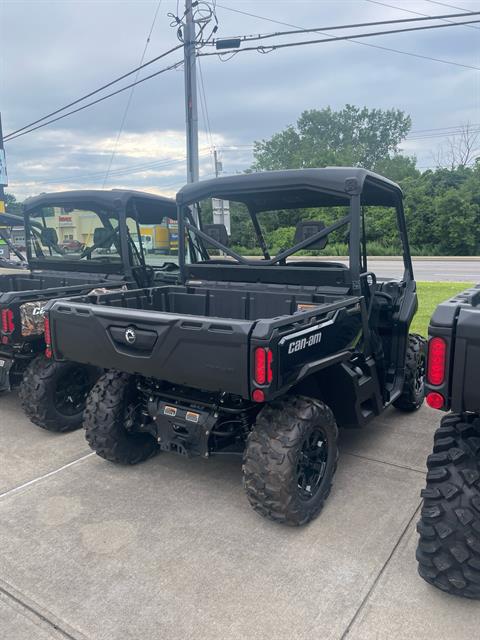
pixel 46 475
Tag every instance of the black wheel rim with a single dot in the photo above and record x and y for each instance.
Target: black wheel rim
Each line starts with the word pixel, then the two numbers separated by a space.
pixel 420 377
pixel 132 415
pixel 312 464
pixel 71 392
pixel 132 420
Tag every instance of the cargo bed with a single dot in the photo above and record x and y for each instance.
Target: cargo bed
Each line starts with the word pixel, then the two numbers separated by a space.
pixel 199 335
pixel 30 281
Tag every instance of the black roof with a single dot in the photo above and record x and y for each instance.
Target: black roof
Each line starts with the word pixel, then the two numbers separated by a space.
pixel 305 187
pixel 150 207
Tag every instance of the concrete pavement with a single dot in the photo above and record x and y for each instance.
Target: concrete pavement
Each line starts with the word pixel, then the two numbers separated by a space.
pixel 171 549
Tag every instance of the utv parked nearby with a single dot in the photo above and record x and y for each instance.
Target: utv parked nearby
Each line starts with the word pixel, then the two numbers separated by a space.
pixel 449 547
pixel 267 355
pixel 110 256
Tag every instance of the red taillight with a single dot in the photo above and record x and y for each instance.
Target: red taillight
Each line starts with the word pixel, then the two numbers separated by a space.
pixel 263 366
pixel 48 338
pixel 269 366
pixel 435 400
pixel 260 365
pixel 437 351
pixel 7 321
pixel 258 396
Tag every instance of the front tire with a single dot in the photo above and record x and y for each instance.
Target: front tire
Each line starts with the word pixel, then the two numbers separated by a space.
pixel 109 417
pixel 448 550
pixel 413 392
pixel 290 460
pixel 53 394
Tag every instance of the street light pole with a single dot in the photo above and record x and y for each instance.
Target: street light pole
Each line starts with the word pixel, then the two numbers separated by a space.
pixel 191 110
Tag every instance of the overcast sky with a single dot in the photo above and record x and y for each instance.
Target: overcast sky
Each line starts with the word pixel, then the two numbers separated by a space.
pixel 53 52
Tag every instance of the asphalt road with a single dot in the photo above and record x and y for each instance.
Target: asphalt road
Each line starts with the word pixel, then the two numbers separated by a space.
pixel 171 549
pixel 432 270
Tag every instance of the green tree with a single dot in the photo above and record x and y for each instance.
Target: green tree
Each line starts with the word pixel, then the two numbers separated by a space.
pixel 398 168
pixel 455 224
pixel 352 136
pixel 442 207
pixel 12 205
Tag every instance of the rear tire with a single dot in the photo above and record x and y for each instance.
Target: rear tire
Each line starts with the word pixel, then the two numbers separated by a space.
pixel 448 551
pixel 53 394
pixel 111 409
pixel 413 392
pixel 290 460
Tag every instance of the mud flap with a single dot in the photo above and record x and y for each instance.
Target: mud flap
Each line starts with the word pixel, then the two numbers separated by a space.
pixel 5 366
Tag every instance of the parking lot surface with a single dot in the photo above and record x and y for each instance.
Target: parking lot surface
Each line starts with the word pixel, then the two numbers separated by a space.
pixel 171 549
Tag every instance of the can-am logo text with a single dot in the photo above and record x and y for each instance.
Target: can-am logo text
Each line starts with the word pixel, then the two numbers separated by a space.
pixel 303 343
pixel 39 311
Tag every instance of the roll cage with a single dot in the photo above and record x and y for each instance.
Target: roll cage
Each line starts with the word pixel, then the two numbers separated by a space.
pixel 335 186
pixel 116 204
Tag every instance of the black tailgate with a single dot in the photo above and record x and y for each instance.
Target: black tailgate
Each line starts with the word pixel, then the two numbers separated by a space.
pixel 194 351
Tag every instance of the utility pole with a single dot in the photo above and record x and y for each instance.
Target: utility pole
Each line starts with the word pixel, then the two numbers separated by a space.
pixel 191 111
pixel 220 208
pixel 218 164
pixel 3 171
pixel 4 249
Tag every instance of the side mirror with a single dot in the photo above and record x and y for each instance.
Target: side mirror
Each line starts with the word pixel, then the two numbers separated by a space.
pixel 218 232
pixel 308 228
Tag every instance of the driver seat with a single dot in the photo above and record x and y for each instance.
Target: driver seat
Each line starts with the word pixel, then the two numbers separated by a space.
pixel 305 229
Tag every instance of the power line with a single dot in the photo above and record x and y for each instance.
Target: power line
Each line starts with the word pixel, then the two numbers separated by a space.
pixel 157 164
pixel 132 91
pixel 417 135
pixel 92 93
pixel 426 15
pixel 29 128
pixel 423 17
pixel 204 109
pixel 116 172
pixel 444 4
pixel 175 65
pixel 436 133
pixel 443 135
pixel 457 126
pixel 440 132
pixel 352 39
pixel 206 116
pixel 274 47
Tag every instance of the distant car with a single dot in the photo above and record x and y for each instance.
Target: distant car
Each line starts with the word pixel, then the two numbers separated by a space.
pixel 72 246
